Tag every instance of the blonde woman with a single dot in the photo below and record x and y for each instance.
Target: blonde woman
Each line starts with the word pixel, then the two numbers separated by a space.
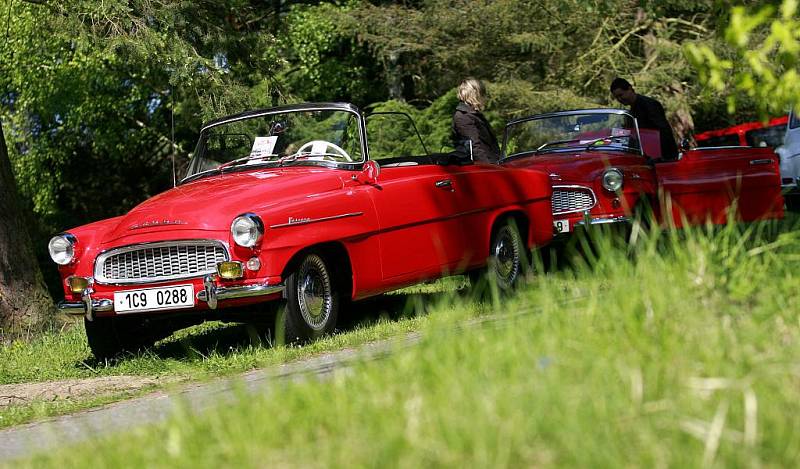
pixel 469 124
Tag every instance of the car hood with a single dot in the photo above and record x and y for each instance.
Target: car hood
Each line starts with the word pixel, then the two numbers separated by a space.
pixel 211 203
pixel 579 166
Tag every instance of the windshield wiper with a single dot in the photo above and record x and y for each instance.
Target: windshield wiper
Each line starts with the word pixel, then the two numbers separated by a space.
pixel 594 143
pixel 294 156
pixel 243 160
pixel 559 142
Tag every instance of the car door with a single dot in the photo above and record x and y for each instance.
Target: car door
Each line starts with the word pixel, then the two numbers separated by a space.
pixel 419 232
pixel 704 184
pixel 479 191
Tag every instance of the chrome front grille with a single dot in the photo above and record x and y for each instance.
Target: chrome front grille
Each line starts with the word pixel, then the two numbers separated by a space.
pixel 158 262
pixel 568 199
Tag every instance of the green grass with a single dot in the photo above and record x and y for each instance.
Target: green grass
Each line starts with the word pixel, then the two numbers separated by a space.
pixel 198 353
pixel 681 351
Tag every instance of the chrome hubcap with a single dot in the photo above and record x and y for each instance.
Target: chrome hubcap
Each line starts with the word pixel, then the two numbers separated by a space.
pixel 506 255
pixel 314 295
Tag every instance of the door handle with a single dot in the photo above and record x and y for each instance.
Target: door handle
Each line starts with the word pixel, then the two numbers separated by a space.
pixel 445 184
pixel 761 161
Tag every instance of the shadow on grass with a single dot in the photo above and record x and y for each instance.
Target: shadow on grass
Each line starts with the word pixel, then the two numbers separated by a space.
pixel 215 338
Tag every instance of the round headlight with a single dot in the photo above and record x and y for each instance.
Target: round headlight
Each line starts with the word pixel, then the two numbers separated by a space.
pixel 62 248
pixel 247 230
pixel 612 180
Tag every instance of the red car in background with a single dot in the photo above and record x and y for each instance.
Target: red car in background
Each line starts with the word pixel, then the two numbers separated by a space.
pixel 750 134
pixel 604 169
pixel 284 206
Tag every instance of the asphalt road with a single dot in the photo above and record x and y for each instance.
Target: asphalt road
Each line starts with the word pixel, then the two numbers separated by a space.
pixel 26 440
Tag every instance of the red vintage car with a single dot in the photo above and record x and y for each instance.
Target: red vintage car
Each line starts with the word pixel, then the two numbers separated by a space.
pixel 749 134
pixel 285 206
pixel 604 169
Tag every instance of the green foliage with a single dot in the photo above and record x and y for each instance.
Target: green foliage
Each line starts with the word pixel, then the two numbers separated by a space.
pixel 325 63
pixel 394 136
pixel 764 65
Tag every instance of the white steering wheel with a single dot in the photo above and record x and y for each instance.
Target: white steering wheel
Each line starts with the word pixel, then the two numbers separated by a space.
pixel 338 151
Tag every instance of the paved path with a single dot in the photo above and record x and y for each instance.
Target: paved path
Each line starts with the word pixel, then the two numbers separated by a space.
pixel 25 440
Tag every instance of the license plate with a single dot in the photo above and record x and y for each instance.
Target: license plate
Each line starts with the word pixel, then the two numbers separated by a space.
pixel 154 299
pixel 561 226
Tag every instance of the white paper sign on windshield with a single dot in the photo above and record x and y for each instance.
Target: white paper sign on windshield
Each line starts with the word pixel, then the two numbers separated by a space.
pixel 263 146
pixel 319 148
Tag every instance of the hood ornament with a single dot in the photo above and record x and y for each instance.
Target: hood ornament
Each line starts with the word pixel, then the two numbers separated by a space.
pixel 555 176
pixel 152 223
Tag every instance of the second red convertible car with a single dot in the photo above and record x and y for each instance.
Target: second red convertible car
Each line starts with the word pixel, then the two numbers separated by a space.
pixel 286 206
pixel 604 168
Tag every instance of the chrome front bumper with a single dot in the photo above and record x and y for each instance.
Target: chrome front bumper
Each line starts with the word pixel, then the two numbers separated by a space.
pixel 602 221
pixel 87 307
pixel 210 294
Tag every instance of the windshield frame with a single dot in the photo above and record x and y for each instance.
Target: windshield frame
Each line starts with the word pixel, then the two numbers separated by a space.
pixel 548 115
pixel 351 166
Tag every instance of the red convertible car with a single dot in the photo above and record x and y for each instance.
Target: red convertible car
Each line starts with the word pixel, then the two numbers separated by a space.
pixel 604 169
pixel 285 206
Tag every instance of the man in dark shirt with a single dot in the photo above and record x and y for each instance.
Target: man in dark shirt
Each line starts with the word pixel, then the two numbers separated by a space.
pixel 649 113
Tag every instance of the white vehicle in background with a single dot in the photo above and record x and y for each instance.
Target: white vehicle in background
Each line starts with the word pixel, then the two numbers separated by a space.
pixel 789 154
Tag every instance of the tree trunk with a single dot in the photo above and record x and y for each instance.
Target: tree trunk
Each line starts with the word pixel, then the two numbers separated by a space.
pixel 25 305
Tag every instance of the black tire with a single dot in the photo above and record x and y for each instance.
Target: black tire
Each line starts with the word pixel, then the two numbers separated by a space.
pixel 312 301
pixel 792 202
pixel 110 337
pixel 505 256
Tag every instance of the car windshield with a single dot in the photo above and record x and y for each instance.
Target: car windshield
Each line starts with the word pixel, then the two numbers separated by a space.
pixel 571 131
pixel 321 137
pixel 766 137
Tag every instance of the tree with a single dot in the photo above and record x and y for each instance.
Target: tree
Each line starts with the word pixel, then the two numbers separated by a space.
pixel 566 51
pixel 763 64
pixel 87 90
pixel 25 305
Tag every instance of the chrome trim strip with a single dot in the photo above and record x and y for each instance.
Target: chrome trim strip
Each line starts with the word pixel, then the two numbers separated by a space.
pixel 306 221
pixel 101 258
pixel 584 188
pixel 616 111
pixel 211 294
pixel 281 110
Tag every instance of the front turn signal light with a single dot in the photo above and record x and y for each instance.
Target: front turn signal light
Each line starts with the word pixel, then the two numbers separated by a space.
pixel 78 284
pixel 230 270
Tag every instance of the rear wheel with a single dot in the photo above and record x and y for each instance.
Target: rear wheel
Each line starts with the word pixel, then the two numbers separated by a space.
pixel 312 300
pixel 505 256
pixel 505 263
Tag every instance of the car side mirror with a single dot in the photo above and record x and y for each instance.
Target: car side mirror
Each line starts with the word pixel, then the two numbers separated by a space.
pixel 370 172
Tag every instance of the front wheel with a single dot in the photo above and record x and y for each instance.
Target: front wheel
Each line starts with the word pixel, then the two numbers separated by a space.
pixel 110 337
pixel 312 300
pixel 792 202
